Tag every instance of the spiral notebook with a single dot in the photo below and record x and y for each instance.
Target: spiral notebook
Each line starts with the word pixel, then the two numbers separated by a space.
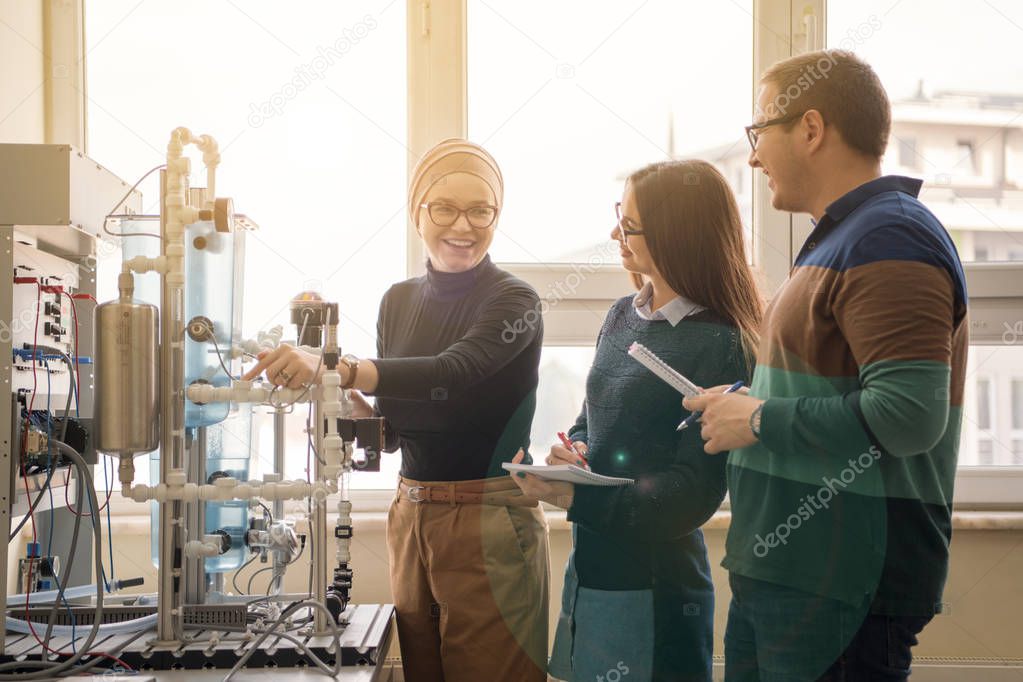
pixel 667 374
pixel 569 473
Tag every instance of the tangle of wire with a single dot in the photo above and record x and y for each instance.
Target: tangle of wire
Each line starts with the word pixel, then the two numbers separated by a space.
pixel 110 214
pixel 47 669
pixel 285 614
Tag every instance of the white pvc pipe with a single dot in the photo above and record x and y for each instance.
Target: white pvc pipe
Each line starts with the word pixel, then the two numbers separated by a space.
pixel 247 392
pixel 224 489
pixel 49 595
pixel 265 340
pixel 343 552
pixel 106 629
pixel 331 449
pixel 199 549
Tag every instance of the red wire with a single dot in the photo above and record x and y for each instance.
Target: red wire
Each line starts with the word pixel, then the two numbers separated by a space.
pixel 35 379
pixel 35 342
pixel 112 658
pixel 24 474
pixel 78 379
pixel 74 314
pixel 104 655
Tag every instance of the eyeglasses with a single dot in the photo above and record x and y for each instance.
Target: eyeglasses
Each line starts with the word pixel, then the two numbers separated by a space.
pixel 627 226
pixel 753 131
pixel 445 215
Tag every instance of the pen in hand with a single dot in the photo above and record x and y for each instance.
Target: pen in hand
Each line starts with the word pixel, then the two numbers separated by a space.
pixel 695 416
pixel 571 448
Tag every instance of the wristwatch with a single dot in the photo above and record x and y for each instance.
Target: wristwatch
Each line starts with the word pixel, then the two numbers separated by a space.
pixel 754 421
pixel 352 363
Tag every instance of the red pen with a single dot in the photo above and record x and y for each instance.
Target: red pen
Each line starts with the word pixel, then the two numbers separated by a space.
pixel 568 444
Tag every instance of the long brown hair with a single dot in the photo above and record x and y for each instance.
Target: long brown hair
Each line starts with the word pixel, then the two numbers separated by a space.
pixel 692 228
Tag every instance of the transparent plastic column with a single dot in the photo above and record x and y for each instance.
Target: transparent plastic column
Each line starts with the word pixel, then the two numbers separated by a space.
pixel 212 293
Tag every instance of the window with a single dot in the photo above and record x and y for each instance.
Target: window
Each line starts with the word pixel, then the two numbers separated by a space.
pixel 960 112
pixel 966 153
pixel 570 113
pixel 311 121
pixel 559 397
pixel 907 153
pixel 572 109
pixel 993 410
pixel 1017 404
pixel 985 452
pixel 984 403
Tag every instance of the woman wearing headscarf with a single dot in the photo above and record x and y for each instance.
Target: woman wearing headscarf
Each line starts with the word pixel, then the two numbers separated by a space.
pixel 456 374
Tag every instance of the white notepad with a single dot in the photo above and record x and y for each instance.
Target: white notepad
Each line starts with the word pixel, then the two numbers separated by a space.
pixel 667 374
pixel 569 473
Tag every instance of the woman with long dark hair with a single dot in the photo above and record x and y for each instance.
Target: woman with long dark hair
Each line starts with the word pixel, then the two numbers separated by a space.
pixel 638 601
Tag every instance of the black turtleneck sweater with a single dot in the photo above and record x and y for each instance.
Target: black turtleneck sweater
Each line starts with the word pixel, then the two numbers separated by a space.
pixel 458 357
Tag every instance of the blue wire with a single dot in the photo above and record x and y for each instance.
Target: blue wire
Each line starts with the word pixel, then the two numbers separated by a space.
pixel 74 386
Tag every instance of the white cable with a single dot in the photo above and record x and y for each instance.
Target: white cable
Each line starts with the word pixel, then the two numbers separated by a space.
pixel 335 632
pixel 105 629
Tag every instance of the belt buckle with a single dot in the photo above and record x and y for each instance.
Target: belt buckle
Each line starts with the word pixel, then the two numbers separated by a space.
pixel 413 493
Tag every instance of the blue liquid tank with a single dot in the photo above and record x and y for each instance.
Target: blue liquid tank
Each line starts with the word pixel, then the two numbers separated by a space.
pixel 213 273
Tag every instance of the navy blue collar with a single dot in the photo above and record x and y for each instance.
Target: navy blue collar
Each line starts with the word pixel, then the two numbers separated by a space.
pixel 841 207
pixel 848 202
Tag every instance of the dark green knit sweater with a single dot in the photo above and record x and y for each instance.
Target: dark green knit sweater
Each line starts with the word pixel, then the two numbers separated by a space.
pixel 646 534
pixel 644 540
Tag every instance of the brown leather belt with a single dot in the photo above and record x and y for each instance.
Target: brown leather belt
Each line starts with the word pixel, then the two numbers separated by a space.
pixel 495 491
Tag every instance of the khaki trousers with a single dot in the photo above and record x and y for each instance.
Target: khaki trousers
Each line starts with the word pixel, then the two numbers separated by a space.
pixel 470 587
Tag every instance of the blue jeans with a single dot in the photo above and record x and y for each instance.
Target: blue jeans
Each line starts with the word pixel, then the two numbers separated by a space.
pixel 779 634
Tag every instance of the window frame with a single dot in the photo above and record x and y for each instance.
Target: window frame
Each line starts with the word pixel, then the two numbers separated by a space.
pixel 438 106
pixel 781 29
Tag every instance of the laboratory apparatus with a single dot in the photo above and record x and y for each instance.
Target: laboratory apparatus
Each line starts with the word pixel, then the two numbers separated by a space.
pixel 148 382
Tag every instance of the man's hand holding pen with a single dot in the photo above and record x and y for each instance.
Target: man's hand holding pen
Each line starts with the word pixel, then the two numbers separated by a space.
pixel 725 424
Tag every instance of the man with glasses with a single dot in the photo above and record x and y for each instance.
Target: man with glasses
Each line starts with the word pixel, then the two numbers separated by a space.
pixel 844 450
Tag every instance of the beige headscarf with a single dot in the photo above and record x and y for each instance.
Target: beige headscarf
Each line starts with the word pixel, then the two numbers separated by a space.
pixel 453 155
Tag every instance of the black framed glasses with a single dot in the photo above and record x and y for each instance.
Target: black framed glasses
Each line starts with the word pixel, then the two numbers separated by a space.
pixel 753 131
pixel 627 226
pixel 444 214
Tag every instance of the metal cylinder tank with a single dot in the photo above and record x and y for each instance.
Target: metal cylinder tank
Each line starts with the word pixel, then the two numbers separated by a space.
pixel 127 377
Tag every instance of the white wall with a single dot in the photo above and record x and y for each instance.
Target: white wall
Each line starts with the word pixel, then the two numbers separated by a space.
pixel 22 107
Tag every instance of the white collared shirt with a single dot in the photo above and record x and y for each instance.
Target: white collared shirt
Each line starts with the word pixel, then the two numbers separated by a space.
pixel 674 311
